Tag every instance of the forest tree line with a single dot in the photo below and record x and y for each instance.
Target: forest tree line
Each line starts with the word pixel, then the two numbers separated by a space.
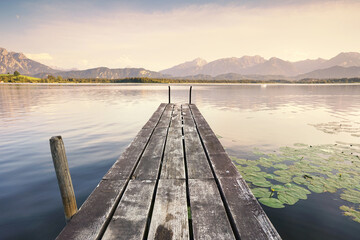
pixel 17 78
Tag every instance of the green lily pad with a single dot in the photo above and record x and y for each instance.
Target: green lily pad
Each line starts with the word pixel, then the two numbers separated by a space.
pixel 269 176
pixel 261 192
pixel 283 179
pixel 271 202
pixel 260 183
pixel 255 176
pixel 252 169
pixel 265 162
pixel 300 168
pixel 351 212
pixel 297 191
pixel 299 180
pixel 278 188
pixel 280 166
pixel 330 189
pixel 351 196
pixel 239 160
pixel 300 189
pixel 287 198
pixel 316 188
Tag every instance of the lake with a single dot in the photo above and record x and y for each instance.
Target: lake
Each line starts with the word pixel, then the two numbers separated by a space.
pixel 254 123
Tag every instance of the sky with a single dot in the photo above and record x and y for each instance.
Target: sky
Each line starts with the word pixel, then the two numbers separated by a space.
pixel 162 33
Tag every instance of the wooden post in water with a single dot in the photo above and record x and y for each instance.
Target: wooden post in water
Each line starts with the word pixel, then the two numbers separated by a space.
pixel 63 176
pixel 190 95
pixel 169 94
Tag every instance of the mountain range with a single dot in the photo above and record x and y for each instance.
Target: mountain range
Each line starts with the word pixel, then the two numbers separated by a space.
pixel 11 62
pixel 344 65
pixel 256 65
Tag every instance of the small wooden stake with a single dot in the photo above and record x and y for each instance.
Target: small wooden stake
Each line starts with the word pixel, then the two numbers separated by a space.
pixel 169 94
pixel 190 95
pixel 63 176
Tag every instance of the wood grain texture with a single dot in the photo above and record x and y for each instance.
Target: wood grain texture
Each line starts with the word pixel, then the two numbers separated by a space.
pixel 173 163
pixel 250 219
pixel 209 219
pixel 189 124
pixel 123 167
pixel 92 217
pixel 197 163
pixel 151 123
pixel 222 205
pixel 149 164
pixel 63 176
pixel 164 120
pixel 131 215
pixel 170 216
pixel 176 121
pixel 89 221
pixel 199 118
pixel 223 166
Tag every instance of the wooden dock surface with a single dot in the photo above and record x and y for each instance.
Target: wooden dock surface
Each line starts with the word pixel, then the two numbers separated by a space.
pixel 174 181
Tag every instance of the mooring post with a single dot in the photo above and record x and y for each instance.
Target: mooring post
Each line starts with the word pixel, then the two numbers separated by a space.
pixel 169 94
pixel 190 95
pixel 63 176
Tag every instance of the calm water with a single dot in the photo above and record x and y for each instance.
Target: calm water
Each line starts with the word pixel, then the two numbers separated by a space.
pixel 97 122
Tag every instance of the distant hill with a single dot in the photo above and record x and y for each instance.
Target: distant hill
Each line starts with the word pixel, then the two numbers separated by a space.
pixel 274 66
pixel 103 72
pixel 231 65
pixel 214 68
pixel 332 72
pixel 186 68
pixel 11 62
pixel 344 59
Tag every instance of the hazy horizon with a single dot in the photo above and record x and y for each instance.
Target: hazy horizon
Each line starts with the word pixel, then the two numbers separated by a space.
pixel 161 34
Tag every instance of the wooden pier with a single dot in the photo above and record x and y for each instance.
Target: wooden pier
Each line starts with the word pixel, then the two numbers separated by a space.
pixel 174 181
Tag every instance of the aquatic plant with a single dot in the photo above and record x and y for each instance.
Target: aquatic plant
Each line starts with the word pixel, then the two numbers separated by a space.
pixel 351 212
pixel 290 174
pixel 339 127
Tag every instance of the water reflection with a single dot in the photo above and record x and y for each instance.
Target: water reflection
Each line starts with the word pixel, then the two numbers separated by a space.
pixel 97 122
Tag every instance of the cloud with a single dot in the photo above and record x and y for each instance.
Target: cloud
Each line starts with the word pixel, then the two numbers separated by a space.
pixel 17 16
pixel 161 38
pixel 39 56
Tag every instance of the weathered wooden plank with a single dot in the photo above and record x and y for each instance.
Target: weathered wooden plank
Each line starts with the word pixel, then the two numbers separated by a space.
pixel 200 120
pixel 89 221
pixel 210 140
pixel 176 121
pixel 149 164
pixel 92 216
pixel 250 219
pixel 164 120
pixel 209 219
pixel 223 166
pixel 170 216
pixel 197 163
pixel 189 124
pixel 123 167
pixel 173 165
pixel 131 216
pixel 220 161
pixel 155 117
